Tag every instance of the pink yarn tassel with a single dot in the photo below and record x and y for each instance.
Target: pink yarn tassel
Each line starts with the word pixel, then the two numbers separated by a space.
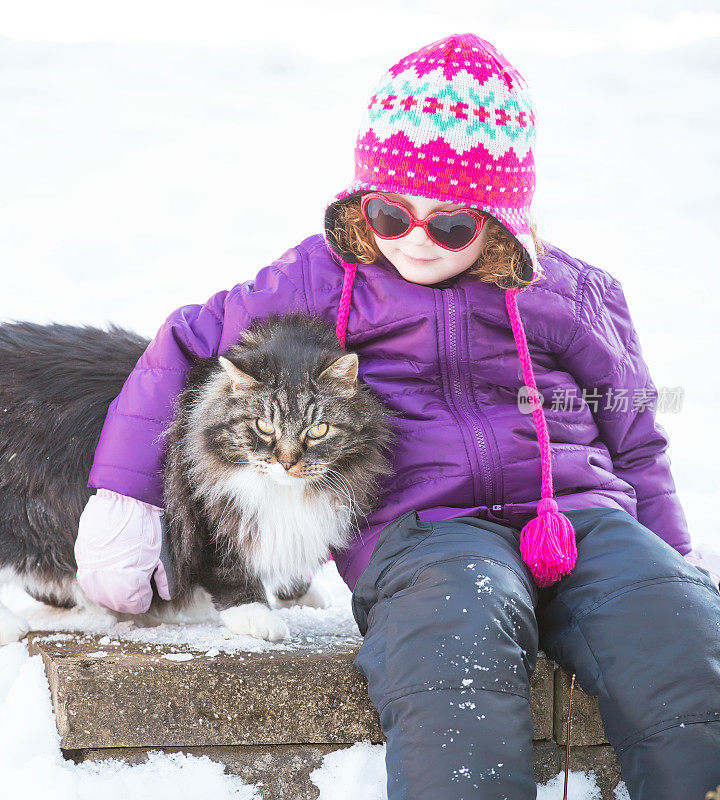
pixel 547 544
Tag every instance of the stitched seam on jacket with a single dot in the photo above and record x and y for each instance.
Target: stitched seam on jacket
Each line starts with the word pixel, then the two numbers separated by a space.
pixel 138 416
pixel 665 725
pixel 429 390
pixel 580 298
pixel 303 275
pixel 415 688
pixel 612 482
pixel 163 369
pixel 504 323
pixel 606 485
pixel 422 430
pixel 215 314
pixel 560 448
pixel 386 356
pixel 653 496
pixel 418 317
pixel 616 368
pixel 431 479
pixel 127 469
pixel 577 311
pixel 601 305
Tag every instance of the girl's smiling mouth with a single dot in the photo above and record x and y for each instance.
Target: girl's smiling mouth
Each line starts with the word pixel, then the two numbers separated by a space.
pixel 414 260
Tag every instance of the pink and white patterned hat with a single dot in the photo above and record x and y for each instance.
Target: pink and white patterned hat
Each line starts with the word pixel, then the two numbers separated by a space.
pixel 452 122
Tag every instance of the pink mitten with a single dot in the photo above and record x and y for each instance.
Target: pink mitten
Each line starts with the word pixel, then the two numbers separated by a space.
pixel 706 557
pixel 117 551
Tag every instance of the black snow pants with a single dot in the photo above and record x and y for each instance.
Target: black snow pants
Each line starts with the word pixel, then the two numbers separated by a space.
pixel 452 621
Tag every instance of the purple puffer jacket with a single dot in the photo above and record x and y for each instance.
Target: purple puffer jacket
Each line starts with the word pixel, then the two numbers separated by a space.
pixel 444 357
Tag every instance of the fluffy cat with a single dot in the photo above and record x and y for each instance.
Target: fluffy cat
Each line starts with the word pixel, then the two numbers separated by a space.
pixel 275 452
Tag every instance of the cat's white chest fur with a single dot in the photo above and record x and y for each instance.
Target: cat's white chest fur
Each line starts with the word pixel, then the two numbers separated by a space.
pixel 295 530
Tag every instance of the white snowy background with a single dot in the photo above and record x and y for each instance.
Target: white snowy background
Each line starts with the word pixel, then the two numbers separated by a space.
pixel 153 152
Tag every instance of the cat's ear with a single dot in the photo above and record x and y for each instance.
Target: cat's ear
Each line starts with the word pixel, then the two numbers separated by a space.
pixel 240 380
pixel 343 371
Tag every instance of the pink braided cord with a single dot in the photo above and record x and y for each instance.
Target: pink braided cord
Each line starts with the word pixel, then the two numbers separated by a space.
pixel 546 491
pixel 345 297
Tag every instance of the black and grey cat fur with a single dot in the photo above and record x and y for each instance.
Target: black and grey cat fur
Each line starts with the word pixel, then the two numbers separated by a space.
pixel 56 383
pixel 242 506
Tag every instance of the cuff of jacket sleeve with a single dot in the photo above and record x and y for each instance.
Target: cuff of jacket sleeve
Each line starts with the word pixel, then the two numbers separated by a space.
pixel 665 517
pixel 134 448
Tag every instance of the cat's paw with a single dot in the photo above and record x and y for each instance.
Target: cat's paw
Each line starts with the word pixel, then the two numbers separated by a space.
pixel 12 627
pixel 255 619
pixel 315 597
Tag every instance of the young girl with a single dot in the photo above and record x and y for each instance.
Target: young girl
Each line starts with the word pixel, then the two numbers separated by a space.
pixel 514 520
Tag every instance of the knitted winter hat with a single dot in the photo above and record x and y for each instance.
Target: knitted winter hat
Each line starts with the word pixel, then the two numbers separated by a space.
pixel 454 122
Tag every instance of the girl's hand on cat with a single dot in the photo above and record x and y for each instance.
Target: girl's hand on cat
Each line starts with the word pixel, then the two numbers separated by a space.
pixel 118 550
pixel 706 557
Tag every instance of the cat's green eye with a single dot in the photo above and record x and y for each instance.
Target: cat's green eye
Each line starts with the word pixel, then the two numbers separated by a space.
pixel 318 431
pixel 264 426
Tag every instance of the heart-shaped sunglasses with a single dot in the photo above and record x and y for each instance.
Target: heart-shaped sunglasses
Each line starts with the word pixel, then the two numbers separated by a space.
pixel 452 230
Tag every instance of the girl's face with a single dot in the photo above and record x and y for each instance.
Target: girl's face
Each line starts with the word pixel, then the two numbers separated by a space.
pixel 416 257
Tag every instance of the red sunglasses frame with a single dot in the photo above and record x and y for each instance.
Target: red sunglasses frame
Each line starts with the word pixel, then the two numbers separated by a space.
pixel 479 217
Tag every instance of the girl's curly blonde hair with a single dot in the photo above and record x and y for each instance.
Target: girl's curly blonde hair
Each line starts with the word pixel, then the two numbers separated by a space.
pixel 500 262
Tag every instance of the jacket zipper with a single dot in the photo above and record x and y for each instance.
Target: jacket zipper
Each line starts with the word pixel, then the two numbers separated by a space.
pixel 469 417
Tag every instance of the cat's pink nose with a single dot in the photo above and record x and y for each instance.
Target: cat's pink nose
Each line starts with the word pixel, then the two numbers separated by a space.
pixel 287 464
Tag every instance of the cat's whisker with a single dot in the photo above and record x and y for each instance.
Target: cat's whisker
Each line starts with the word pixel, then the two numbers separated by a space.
pixel 357 505
pixel 328 482
pixel 337 486
pixel 352 507
pixel 344 481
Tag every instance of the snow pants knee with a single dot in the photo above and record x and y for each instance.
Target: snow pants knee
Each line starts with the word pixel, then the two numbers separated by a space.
pixel 453 620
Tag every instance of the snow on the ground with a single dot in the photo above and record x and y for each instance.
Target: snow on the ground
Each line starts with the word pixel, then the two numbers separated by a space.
pixel 32 765
pixel 359 769
pixel 309 627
